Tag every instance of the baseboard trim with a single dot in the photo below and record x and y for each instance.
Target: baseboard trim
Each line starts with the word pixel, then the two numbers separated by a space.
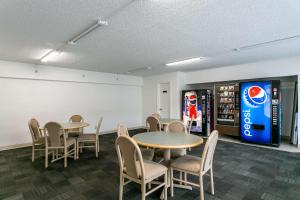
pixel 115 130
pixel 15 146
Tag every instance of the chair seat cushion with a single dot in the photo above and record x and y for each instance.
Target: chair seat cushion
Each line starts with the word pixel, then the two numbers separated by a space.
pixel 152 169
pixel 147 154
pixel 87 137
pixel 187 163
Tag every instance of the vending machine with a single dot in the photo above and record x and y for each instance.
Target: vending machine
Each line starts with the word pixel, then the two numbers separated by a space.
pixel 197 109
pixel 260 112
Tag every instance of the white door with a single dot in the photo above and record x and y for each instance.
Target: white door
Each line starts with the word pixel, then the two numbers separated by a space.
pixel 164 100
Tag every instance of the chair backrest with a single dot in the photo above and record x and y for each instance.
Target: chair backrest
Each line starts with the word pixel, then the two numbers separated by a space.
pixel 76 118
pixel 56 134
pixel 153 124
pixel 176 127
pixel 99 125
pixel 122 130
pixel 157 115
pixel 34 128
pixel 130 157
pixel 208 152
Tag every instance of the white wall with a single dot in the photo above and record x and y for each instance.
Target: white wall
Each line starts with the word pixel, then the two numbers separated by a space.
pixel 57 93
pixel 273 68
pixel 150 93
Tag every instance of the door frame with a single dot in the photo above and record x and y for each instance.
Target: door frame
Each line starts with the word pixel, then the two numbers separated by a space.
pixel 158 97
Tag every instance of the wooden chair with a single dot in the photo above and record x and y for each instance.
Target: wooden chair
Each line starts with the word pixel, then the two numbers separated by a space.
pixel 153 124
pixel 177 127
pixel 197 166
pixel 78 131
pixel 38 138
pixel 147 154
pixel 157 115
pixel 58 143
pixel 89 138
pixel 134 168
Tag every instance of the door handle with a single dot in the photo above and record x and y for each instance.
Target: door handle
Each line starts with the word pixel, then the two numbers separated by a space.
pixel 160 109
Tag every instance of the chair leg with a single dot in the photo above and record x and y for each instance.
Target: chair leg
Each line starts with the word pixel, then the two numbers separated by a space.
pixel 166 184
pixel 143 188
pixel 180 177
pixel 96 149
pixel 171 183
pixel 46 158
pixel 201 187
pixel 32 158
pixel 121 187
pixel 212 181
pixel 66 157
pixel 75 151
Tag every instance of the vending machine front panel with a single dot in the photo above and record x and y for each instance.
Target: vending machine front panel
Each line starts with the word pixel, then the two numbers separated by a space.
pixel 255 116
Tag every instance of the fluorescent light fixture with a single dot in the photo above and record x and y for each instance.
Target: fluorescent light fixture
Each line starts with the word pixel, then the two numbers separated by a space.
pixel 85 32
pixel 183 62
pixel 267 43
pixel 50 56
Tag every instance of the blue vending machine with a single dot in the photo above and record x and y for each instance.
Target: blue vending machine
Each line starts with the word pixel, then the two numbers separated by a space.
pixel 260 112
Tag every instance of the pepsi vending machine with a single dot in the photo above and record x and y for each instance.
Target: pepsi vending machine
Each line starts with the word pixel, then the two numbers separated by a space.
pixel 197 108
pixel 260 112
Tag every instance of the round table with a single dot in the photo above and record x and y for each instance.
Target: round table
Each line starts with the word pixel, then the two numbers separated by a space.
pixel 166 121
pixel 167 141
pixel 73 125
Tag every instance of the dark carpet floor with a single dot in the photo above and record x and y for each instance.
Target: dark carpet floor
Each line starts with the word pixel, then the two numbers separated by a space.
pixel 241 173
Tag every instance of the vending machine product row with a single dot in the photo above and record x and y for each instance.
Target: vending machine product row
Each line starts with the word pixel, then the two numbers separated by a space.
pixel 197 108
pixel 260 112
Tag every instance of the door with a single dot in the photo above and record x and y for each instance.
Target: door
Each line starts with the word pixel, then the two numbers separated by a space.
pixel 164 100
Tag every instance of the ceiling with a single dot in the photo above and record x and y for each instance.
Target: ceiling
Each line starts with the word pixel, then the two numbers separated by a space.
pixel 148 33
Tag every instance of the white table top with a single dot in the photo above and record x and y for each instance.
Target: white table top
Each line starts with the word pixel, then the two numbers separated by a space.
pixel 72 125
pixel 165 140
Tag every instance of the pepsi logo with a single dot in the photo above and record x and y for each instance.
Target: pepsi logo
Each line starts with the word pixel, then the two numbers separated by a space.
pixel 193 99
pixel 256 95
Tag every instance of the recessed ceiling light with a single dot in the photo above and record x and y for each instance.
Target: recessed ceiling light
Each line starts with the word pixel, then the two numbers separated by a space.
pixel 183 62
pixel 50 56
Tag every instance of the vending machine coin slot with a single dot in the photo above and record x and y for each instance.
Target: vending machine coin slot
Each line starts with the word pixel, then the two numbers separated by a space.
pixel 259 127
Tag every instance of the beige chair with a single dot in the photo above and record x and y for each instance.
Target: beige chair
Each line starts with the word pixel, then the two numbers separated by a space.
pixel 197 166
pixel 177 127
pixel 37 136
pixel 58 144
pixel 147 154
pixel 153 124
pixel 90 138
pixel 77 131
pixel 157 115
pixel 134 168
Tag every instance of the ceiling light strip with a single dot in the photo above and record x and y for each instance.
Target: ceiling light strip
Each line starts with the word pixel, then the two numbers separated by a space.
pixel 50 56
pixel 183 62
pixel 85 32
pixel 266 43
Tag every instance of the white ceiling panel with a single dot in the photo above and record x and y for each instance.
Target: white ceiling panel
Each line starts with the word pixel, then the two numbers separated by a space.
pixel 148 33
